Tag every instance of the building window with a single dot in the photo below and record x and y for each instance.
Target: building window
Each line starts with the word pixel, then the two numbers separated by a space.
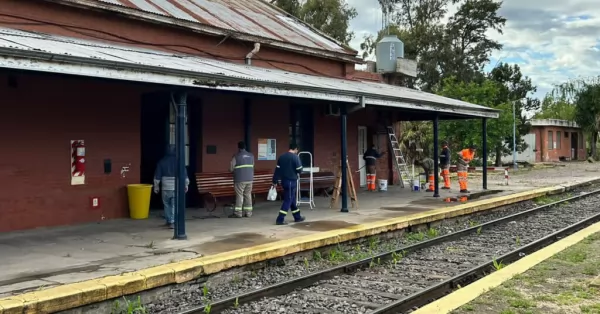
pixel 566 134
pixel 550 144
pixel 172 139
pixel 558 139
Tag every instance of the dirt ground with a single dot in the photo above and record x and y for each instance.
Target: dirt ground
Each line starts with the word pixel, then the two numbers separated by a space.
pixel 562 284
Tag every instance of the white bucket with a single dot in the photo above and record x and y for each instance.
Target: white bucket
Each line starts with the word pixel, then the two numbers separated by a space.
pixel 416 185
pixel 382 185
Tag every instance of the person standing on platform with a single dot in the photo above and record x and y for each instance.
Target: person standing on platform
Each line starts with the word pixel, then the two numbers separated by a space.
pixel 445 165
pixel 287 171
pixel 370 156
pixel 465 156
pixel 242 166
pixel 164 179
pixel 427 165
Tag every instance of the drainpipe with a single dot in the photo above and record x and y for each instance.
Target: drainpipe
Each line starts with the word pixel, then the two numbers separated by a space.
pixel 252 53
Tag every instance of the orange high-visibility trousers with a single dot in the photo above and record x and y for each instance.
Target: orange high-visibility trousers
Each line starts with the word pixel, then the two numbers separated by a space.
pixel 431 183
pixel 446 176
pixel 462 180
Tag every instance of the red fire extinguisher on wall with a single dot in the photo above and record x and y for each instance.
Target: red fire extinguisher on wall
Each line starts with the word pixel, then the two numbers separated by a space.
pixel 78 159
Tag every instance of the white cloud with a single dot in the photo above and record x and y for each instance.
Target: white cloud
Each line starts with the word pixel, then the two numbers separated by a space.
pixel 551 40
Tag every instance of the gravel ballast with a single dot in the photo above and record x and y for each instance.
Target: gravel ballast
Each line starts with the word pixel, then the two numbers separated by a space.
pixel 353 294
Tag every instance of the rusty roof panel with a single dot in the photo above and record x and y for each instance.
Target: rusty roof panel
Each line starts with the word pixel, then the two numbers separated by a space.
pixel 177 69
pixel 253 17
pixel 231 17
pixel 145 6
pixel 173 10
pixel 205 16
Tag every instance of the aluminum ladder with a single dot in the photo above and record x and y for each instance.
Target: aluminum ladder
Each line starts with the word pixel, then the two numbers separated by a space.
pixel 399 160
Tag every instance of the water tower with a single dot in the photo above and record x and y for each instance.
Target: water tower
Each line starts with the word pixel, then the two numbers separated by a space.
pixel 387 52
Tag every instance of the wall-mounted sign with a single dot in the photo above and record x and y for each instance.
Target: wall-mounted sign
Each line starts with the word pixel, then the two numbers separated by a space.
pixel 77 162
pixel 267 149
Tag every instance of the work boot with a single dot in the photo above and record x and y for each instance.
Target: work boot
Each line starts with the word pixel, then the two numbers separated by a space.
pixel 445 188
pixel 301 219
pixel 281 223
pixel 235 215
pixel 171 226
pixel 465 191
pixel 247 214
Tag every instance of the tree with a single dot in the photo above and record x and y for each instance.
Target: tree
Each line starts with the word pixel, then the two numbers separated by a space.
pixel 462 133
pixel 587 113
pixel 459 48
pixel 515 88
pixel 329 16
pixel 556 108
pixel 583 92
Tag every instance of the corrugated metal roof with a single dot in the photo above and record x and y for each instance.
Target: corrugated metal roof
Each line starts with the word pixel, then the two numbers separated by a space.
pixel 95 59
pixel 252 17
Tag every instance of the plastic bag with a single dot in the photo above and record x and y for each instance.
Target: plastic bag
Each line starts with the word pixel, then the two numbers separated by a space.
pixel 272 196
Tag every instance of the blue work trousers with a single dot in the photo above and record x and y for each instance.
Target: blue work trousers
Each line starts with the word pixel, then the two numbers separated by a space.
pixel 289 200
pixel 168 198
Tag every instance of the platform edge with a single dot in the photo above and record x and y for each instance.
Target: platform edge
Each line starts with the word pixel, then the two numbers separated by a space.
pixel 101 289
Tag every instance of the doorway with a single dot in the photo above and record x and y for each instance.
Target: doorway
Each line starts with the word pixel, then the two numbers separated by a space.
pixel 157 131
pixel 574 144
pixel 362 147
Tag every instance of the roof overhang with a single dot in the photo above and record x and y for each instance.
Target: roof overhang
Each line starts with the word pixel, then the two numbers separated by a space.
pixel 63 55
pixel 207 29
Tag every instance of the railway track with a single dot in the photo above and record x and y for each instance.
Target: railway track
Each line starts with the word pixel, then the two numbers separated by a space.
pixel 401 280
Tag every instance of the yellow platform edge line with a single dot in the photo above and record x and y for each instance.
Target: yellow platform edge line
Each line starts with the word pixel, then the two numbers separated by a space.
pixel 78 294
pixel 471 292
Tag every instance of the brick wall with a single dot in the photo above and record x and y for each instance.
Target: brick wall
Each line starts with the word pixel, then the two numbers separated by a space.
pixel 47 17
pixel 39 118
pixel 547 152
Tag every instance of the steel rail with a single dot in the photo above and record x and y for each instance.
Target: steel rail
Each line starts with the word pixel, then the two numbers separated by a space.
pixel 426 296
pixel 416 299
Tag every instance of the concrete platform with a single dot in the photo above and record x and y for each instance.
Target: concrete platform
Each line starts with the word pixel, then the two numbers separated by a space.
pixel 36 260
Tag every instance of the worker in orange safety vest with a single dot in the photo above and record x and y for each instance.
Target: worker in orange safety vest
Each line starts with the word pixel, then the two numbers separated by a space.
pixel 465 156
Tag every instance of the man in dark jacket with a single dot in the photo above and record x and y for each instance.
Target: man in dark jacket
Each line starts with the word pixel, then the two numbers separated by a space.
pixel 370 156
pixel 165 177
pixel 242 166
pixel 445 165
pixel 288 169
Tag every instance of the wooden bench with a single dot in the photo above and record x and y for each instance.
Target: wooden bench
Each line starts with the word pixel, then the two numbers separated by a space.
pixel 213 186
pixel 322 181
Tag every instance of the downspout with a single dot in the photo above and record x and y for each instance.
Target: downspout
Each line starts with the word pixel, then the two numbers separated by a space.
pixel 252 53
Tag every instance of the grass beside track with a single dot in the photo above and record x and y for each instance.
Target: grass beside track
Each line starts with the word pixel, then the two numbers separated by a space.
pixel 561 284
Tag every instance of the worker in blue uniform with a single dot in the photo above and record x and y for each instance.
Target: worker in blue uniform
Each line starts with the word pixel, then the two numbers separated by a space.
pixel 287 171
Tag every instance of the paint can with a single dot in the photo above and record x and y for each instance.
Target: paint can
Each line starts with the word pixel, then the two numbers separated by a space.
pixel 416 185
pixel 383 185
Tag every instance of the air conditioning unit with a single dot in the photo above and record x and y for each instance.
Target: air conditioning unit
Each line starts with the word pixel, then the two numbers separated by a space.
pixel 332 110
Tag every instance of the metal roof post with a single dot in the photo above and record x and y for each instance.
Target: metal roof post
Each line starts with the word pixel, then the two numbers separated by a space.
pixel 436 157
pixel 180 186
pixel 344 157
pixel 484 152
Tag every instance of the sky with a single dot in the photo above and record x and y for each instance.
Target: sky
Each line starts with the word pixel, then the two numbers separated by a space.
pixel 551 40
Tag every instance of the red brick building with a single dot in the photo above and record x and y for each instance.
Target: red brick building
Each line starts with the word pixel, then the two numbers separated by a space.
pixel 104 71
pixel 557 140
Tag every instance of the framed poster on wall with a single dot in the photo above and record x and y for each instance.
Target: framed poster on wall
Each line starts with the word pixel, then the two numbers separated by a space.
pixel 267 149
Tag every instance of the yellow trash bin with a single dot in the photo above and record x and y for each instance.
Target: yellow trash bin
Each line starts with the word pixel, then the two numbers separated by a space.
pixel 139 200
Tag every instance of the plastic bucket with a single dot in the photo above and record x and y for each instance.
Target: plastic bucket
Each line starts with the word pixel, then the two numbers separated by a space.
pixel 416 185
pixel 383 184
pixel 139 200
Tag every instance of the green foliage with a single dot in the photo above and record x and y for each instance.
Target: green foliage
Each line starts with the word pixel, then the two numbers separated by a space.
pixel 458 133
pixel 556 108
pixel 129 307
pixel 329 16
